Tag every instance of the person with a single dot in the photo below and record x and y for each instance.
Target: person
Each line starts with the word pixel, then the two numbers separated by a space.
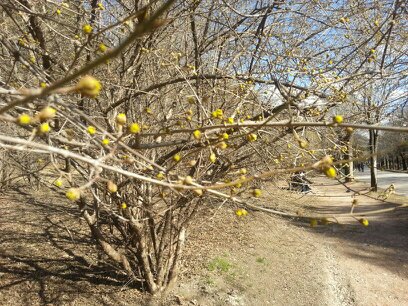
pixel 299 181
pixel 362 167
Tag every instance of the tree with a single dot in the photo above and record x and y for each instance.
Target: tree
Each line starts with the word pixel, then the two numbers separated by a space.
pixel 149 111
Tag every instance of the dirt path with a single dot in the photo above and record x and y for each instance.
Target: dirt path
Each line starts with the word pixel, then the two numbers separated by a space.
pixel 374 260
pixel 276 261
pixel 256 260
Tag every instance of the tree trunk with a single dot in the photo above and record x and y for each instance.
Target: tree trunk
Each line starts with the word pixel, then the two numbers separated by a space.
pixel 373 159
pixel 404 163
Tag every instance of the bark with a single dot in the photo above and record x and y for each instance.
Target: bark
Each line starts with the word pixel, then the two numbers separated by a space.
pixel 107 248
pixel 373 159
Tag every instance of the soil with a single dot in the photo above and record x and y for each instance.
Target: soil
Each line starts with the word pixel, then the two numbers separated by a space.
pixel 48 258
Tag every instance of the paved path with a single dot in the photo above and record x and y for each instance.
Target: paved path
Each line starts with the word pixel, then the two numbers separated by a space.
pixel 386 178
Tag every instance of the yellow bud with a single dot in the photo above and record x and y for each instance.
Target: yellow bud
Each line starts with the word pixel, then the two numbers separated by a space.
pixel 24 119
pixel 222 145
pixel 43 84
pixel 243 171
pixel 121 119
pixel 257 193
pixel 47 113
pixel 112 187
pixel 105 141
pixel 44 128
pixel 191 99
pixel 225 136
pixel 102 47
pixel 330 172
pixel 134 128
pixel 160 176
pixel 212 157
pixel 230 120
pixel 338 119
pixel 197 134
pixel 252 137
pixel 218 113
pixel 123 205
pixel 188 180
pixel 100 6
pixel 363 222
pixel 303 144
pixel 91 130
pixel 73 194
pixel 238 212
pixel 58 183
pixel 198 192
pixel 176 157
pixel 89 86
pixel 87 29
pixel 58 12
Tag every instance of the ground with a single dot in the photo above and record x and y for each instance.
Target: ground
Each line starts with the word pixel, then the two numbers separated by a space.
pixel 47 256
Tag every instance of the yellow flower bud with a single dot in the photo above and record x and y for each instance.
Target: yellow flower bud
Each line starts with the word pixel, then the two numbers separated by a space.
pixel 87 29
pixel 176 157
pixel 338 119
pixel 58 183
pixel 252 137
pixel 188 180
pixel 112 187
pixel 257 193
pixel 91 130
pixel 330 172
pixel 197 134
pixel 198 192
pixel 105 141
pixel 134 128
pixel 44 128
pixel 102 47
pixel 349 130
pixel 121 119
pixel 47 113
pixel 212 157
pixel 24 119
pixel 123 205
pixel 218 113
pixel 89 86
pixel 191 99
pixel 222 145
pixel 363 221
pixel 225 136
pixel 73 194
